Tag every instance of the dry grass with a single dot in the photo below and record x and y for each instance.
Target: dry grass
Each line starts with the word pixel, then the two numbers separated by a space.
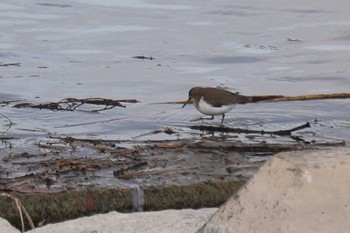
pixel 21 211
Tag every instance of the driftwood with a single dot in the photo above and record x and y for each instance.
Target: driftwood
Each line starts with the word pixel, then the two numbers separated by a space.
pixel 71 104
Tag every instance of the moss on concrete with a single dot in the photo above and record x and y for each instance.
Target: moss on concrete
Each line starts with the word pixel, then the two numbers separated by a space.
pixel 57 207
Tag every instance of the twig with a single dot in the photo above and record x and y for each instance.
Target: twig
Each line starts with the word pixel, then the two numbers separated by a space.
pixel 133 168
pixel 7 102
pixel 143 57
pixel 71 104
pixel 275 98
pixel 291 39
pixel 10 122
pixel 90 123
pixel 109 141
pixel 10 64
pixel 29 219
pixel 9 125
pixel 95 101
pixel 313 97
pixel 20 213
pixel 247 131
pixel 166 130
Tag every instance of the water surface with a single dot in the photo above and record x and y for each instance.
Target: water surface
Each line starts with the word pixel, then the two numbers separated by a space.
pixel 84 49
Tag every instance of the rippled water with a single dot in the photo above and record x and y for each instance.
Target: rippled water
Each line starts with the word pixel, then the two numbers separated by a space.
pixel 84 49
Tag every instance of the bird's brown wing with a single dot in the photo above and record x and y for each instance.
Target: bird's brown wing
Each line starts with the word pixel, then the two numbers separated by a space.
pixel 219 97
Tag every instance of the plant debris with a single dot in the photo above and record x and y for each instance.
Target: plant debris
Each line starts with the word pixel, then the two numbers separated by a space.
pixel 278 98
pixel 71 104
pixel 286 132
pixel 21 211
pixel 143 57
pixel 10 64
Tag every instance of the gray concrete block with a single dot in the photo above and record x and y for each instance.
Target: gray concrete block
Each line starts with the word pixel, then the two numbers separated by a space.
pixel 306 191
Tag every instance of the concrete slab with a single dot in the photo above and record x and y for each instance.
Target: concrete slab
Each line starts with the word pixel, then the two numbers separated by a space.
pixel 5 226
pixel 306 191
pixel 167 221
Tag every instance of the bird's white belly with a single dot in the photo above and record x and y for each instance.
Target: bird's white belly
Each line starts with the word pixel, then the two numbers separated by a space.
pixel 208 109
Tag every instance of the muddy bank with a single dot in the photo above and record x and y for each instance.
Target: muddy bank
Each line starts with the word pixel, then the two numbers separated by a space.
pixel 73 177
pixel 261 206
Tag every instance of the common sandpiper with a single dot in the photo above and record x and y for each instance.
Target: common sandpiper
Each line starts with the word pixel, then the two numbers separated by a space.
pixel 214 101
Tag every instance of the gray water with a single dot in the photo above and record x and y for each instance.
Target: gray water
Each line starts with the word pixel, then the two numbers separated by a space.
pixel 85 49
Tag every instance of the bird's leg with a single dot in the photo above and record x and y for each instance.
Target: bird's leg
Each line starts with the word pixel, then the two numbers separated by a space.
pixel 211 118
pixel 222 120
pixel 202 118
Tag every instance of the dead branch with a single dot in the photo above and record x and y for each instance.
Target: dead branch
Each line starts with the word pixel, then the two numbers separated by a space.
pixel 71 104
pixel 261 147
pixel 109 141
pixel 275 98
pixel 247 131
pixel 260 98
pixel 315 97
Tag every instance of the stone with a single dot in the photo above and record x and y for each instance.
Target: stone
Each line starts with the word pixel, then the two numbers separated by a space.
pixel 306 191
pixel 5 226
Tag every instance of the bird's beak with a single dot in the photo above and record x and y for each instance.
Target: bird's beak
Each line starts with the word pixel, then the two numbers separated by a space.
pixel 188 101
